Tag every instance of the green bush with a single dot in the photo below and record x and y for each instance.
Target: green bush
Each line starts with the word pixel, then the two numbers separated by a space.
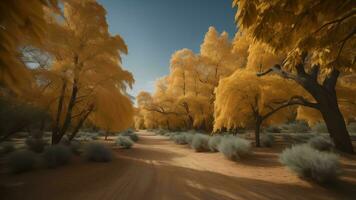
pixel 188 137
pixel 169 134
pixel 56 155
pixel 7 147
pixel 234 148
pixel 320 128
pixel 133 136
pixel 214 142
pixel 75 146
pixel 310 163
pixel 160 131
pixel 273 129
pixel 320 143
pixel 352 127
pixel 124 142
pixel 179 139
pixel 97 152
pixel 295 127
pixel 35 144
pixel 22 161
pixel 200 143
pixel 16 116
pixel 267 140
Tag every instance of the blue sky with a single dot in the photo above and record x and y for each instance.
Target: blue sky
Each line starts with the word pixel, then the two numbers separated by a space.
pixel 154 29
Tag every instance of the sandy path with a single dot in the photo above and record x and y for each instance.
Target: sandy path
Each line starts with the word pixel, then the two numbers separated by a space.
pixel 158 169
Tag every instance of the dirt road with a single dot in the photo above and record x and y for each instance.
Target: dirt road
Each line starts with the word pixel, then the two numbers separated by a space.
pixel 158 169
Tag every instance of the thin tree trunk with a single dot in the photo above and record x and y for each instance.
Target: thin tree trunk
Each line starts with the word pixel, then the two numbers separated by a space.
pixel 68 117
pixel 167 122
pixel 56 127
pixel 257 130
pixel 80 124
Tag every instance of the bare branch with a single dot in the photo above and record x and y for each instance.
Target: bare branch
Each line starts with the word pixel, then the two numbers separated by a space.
pixel 295 100
pixel 343 42
pixel 338 21
pixel 277 69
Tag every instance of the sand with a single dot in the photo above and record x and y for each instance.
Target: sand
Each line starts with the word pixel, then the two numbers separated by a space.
pixel 156 169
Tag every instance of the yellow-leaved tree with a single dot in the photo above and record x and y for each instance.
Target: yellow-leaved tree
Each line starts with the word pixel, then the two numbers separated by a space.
pixel 243 100
pixel 84 79
pixel 318 39
pixel 186 98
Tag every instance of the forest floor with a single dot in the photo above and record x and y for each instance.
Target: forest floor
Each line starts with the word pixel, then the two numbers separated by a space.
pixel 156 168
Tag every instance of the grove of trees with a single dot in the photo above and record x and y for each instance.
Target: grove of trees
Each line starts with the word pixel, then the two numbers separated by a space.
pixel 289 60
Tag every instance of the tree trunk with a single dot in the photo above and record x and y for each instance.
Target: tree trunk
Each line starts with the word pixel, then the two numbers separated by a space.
pixel 55 127
pixel 68 117
pixel 80 123
pixel 326 98
pixel 257 131
pixel 335 124
pixel 167 122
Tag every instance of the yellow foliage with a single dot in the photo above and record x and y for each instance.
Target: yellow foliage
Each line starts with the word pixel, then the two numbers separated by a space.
pixel 184 99
pixel 324 29
pixel 243 95
pixel 22 22
pixel 86 61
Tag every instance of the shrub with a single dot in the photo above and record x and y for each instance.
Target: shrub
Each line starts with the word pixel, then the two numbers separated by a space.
pixel 65 140
pixel 160 131
pixel 21 161
pixel 310 163
pixel 295 127
pixel 267 140
pixel 273 129
pixel 200 143
pixel 75 146
pixel 214 142
pixel 124 142
pixel 130 130
pixel 302 138
pixel 133 136
pixel 16 116
pixel 97 152
pixel 94 136
pixel 35 144
pixel 179 139
pixel 234 148
pixel 297 138
pixel 352 127
pixel 320 128
pixel 56 155
pixel 7 147
pixel 168 134
pixel 188 137
pixel 320 143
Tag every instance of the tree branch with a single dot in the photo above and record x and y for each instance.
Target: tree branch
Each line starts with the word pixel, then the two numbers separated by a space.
pixel 338 21
pixel 277 69
pixel 295 100
pixel 314 72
